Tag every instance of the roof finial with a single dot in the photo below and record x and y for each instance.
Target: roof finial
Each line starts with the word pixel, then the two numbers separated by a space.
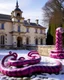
pixel 17 4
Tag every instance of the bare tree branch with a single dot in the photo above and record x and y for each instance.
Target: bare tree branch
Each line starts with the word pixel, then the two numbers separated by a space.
pixel 54 11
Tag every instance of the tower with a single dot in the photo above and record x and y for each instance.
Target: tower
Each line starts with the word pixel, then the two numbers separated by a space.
pixel 16 14
pixel 17 20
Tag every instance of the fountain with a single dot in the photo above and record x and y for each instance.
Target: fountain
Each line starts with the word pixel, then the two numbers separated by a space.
pixel 58 52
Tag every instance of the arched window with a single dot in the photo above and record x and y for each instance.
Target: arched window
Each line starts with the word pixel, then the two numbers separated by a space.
pixel 2 40
pixel 27 40
pixel 36 41
pixel 41 41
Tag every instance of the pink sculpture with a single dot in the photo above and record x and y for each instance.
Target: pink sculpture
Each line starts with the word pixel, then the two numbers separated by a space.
pixel 58 52
pixel 19 67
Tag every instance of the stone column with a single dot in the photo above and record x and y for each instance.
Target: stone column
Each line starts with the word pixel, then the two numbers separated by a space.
pixel 39 41
pixel 14 41
pixel 24 40
pixel 44 41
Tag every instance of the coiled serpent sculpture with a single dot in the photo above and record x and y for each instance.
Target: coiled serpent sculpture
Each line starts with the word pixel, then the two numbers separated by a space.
pixel 19 67
pixel 58 52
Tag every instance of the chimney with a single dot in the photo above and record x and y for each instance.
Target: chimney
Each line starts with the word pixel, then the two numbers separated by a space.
pixel 28 21
pixel 37 21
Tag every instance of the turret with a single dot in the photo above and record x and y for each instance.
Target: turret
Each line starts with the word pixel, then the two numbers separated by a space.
pixel 16 13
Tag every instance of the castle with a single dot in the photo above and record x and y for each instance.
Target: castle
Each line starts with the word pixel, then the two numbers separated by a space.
pixel 16 31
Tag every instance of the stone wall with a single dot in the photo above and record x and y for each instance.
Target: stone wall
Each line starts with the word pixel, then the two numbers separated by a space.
pixel 45 50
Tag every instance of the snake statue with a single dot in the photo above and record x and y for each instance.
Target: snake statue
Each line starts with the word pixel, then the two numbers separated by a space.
pixel 13 66
pixel 58 52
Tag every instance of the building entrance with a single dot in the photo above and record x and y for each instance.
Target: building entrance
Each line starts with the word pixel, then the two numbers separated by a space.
pixel 19 42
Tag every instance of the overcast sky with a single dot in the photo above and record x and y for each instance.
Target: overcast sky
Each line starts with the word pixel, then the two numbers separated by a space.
pixel 32 9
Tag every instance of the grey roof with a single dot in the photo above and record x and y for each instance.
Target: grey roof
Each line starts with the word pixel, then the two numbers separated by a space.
pixel 8 18
pixel 17 9
pixel 5 17
pixel 32 24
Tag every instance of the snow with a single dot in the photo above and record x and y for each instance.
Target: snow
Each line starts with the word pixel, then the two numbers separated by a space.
pixel 20 52
pixel 42 76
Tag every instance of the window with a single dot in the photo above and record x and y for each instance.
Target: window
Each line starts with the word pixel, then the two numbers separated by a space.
pixel 40 31
pixel 18 28
pixel 27 40
pixel 41 41
pixel 36 41
pixel 27 29
pixel 2 39
pixel 36 31
pixel 18 20
pixel 2 26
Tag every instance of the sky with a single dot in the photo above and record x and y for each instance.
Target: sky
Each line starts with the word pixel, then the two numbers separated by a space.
pixel 32 9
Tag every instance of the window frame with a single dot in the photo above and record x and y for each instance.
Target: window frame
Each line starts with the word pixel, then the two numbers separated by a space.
pixel 36 41
pixel 19 30
pixel 27 30
pixel 2 26
pixel 41 41
pixel 2 39
pixel 36 30
pixel 27 41
pixel 41 31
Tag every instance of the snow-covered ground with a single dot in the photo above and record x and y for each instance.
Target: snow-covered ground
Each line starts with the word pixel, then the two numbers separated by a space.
pixel 42 76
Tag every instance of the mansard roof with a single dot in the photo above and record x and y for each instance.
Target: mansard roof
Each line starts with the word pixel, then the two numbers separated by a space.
pixel 17 9
pixel 31 24
pixel 4 17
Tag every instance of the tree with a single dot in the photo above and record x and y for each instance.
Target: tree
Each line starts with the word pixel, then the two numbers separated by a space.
pixel 54 14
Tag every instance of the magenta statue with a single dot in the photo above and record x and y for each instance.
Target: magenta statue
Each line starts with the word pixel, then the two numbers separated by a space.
pixel 58 52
